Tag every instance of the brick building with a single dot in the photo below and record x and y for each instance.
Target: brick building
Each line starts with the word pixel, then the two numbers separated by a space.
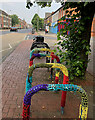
pixel 54 17
pixel 46 18
pixel 5 20
pixel 22 24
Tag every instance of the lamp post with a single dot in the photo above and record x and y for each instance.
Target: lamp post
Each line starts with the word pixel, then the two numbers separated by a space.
pixel 38 20
pixel 29 4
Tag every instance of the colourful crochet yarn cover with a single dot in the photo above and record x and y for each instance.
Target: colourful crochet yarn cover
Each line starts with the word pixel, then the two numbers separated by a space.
pixel 60 66
pixel 52 61
pixel 32 56
pixel 44 55
pixel 28 83
pixel 43 65
pixel 39 49
pixel 49 65
pixel 26 112
pixel 55 87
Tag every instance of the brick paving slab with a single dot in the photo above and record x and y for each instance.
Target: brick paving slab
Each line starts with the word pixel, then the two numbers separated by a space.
pixel 14 71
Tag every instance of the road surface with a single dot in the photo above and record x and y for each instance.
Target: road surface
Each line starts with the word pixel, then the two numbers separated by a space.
pixel 2 32
pixel 9 40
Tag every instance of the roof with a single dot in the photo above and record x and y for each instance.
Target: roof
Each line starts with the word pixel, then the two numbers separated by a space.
pixel 4 13
pixel 54 12
pixel 47 14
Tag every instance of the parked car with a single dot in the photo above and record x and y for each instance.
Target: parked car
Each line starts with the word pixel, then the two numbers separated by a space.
pixel 13 29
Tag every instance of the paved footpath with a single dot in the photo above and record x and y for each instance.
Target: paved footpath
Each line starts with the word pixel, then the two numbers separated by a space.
pixel 14 72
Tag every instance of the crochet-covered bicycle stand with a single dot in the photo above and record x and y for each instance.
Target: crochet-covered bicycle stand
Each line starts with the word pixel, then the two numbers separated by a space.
pixel 49 65
pixel 32 56
pixel 37 50
pixel 55 87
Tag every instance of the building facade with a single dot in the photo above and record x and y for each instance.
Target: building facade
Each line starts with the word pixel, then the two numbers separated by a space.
pixel 58 14
pixel 22 24
pixel 5 20
pixel 47 18
pixel 53 18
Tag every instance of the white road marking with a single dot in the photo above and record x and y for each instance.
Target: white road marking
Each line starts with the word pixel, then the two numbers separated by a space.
pixel 10 47
pixel 27 37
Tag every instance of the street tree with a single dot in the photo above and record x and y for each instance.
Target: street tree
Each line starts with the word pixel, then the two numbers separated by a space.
pixel 15 19
pixel 41 23
pixel 37 22
pixel 77 44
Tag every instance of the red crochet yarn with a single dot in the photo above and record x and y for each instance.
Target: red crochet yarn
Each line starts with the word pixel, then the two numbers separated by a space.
pixel 56 57
pixel 26 112
pixel 63 98
pixel 30 63
pixel 65 79
pixel 56 80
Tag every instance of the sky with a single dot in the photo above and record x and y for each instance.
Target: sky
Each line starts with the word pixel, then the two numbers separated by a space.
pixel 19 8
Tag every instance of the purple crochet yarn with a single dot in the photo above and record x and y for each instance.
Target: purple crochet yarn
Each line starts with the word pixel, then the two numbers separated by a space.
pixel 37 55
pixel 32 91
